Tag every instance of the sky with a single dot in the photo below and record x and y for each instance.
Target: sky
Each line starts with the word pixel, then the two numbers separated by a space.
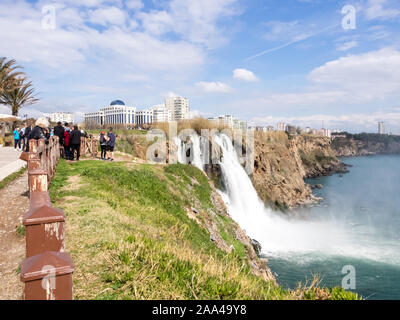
pixel 305 62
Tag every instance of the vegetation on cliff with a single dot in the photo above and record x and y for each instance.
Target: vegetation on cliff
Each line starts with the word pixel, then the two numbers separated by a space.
pixel 159 232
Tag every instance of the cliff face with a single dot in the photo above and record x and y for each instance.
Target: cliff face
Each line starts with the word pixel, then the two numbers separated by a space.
pixel 348 147
pixel 281 164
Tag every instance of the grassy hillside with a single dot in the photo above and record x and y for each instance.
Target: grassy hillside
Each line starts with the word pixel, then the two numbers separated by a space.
pixel 157 232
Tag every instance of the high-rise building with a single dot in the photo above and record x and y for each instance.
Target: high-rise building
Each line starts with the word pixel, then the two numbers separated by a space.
pixel 381 128
pixel 161 113
pixel 60 117
pixel 116 113
pixel 179 108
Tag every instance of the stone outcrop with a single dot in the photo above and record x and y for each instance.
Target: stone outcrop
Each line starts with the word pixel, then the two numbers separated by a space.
pixel 282 163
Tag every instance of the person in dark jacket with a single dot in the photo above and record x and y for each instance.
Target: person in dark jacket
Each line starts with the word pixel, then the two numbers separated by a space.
pixel 75 142
pixel 103 145
pixel 38 132
pixel 59 132
pixel 111 143
pixel 28 129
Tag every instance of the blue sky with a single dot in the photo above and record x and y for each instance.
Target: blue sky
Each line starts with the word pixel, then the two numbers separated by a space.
pixel 262 61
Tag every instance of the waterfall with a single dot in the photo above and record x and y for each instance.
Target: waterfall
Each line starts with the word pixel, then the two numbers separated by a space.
pixel 279 235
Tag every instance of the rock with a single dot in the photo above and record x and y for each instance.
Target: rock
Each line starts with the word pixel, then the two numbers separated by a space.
pixel 256 245
pixel 317 186
pixel 281 165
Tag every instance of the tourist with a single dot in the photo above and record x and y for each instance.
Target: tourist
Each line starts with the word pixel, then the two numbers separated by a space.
pixel 75 142
pixel 103 145
pixel 67 146
pixel 27 130
pixel 59 132
pixel 39 131
pixel 110 144
pixel 67 128
pixel 17 139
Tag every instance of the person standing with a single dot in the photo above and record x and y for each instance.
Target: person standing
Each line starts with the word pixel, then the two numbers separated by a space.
pixel 111 143
pixel 75 142
pixel 67 146
pixel 59 132
pixel 103 145
pixel 27 131
pixel 17 139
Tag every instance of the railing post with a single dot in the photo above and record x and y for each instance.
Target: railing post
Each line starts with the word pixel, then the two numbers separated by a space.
pixel 48 276
pixel 44 226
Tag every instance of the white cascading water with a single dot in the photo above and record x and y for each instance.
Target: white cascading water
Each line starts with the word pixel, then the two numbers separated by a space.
pixel 280 236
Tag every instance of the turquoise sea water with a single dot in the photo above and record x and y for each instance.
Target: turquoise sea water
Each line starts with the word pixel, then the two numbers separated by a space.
pixel 366 202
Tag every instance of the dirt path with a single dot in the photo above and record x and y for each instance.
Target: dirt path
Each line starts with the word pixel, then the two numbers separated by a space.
pixel 14 203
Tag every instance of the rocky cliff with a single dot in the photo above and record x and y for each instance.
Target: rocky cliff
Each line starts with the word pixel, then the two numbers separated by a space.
pixel 367 144
pixel 281 163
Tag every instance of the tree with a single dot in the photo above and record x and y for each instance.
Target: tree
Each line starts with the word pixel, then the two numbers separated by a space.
pixel 9 74
pixel 21 95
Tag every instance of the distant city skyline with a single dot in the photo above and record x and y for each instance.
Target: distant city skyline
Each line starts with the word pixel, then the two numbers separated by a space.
pixel 298 62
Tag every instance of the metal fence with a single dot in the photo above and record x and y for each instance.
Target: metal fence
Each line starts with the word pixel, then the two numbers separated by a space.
pixel 47 270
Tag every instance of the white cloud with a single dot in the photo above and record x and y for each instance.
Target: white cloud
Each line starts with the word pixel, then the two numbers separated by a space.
pixel 214 87
pixel 244 75
pixel 376 9
pixel 355 80
pixel 347 46
pixel 72 46
pixel 134 4
pixel 371 75
pixel 195 21
pixel 108 15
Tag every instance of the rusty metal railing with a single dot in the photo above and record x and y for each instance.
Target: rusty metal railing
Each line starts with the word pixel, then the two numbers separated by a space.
pixel 47 269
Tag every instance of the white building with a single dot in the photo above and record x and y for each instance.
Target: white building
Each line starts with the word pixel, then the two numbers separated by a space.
pixel 144 117
pixel 229 121
pixel 281 126
pixel 178 107
pixel 116 113
pixel 381 128
pixel 60 117
pixel 322 132
pixel 161 113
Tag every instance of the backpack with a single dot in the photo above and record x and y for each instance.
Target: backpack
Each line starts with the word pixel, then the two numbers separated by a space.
pixel 102 139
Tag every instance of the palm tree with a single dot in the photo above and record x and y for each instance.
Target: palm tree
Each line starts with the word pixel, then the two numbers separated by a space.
pixel 21 95
pixel 9 74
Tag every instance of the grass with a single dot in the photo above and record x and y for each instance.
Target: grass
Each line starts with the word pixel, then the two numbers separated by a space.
pixel 7 180
pixel 132 234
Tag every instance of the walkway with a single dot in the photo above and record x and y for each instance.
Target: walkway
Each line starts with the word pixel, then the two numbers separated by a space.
pixel 14 203
pixel 9 161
